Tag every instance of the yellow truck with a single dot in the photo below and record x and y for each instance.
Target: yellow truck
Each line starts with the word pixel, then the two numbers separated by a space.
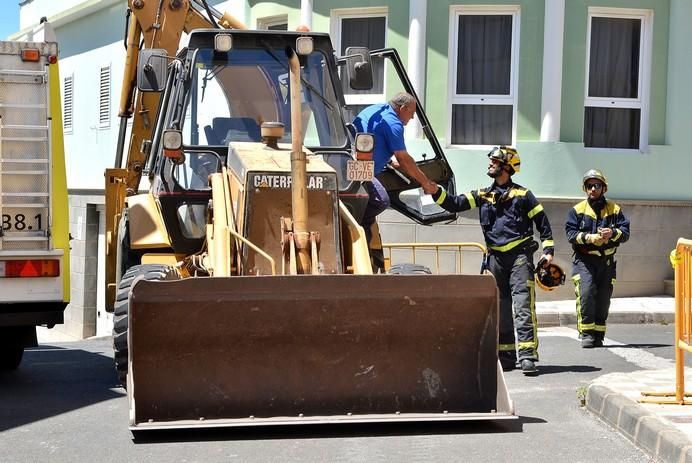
pixel 34 237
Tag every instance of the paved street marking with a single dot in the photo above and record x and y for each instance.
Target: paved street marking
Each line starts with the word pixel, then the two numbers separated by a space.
pixel 643 359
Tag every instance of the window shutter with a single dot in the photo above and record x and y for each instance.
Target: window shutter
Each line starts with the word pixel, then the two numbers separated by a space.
pixel 105 97
pixel 67 106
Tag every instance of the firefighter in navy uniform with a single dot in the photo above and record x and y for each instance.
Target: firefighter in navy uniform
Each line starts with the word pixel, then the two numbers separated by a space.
pixel 507 214
pixel 595 227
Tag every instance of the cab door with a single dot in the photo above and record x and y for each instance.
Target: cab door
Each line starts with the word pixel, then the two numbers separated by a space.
pixel 405 193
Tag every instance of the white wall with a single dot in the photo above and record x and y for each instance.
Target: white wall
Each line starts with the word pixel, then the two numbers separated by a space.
pixel 90 149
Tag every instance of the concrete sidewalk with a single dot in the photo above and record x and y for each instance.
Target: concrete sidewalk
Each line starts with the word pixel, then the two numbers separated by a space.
pixel 662 431
pixel 656 309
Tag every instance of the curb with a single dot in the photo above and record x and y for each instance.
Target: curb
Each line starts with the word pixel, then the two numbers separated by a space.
pixel 643 428
pixel 548 318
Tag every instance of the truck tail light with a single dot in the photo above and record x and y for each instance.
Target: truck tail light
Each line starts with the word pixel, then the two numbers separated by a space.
pixel 29 268
pixel 364 156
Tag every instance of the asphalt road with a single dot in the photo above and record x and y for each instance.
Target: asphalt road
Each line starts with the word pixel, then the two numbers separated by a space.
pixel 64 405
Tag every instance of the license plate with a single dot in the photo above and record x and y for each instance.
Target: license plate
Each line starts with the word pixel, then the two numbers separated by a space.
pixel 23 222
pixel 360 171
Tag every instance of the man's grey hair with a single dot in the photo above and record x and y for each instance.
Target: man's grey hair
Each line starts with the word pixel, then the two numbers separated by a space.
pixel 401 99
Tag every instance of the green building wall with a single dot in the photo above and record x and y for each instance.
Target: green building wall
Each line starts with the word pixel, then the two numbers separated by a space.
pixel 553 169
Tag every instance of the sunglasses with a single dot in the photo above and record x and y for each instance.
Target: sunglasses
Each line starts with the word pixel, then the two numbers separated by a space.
pixel 590 186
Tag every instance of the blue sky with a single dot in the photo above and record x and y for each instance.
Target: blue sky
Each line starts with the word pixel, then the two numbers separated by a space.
pixel 9 18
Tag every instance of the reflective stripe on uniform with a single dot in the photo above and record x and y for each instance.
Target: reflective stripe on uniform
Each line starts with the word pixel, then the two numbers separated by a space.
pixel 576 279
pixel 507 347
pixel 517 192
pixel 510 245
pixel 588 327
pixel 529 344
pixel 617 234
pixel 610 209
pixel 605 252
pixel 534 321
pixel 535 211
pixel 472 200
pixel 584 208
pixel 548 244
pixel 600 328
pixel 442 197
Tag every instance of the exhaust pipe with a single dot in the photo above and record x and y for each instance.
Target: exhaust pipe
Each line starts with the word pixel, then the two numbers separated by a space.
pixel 299 194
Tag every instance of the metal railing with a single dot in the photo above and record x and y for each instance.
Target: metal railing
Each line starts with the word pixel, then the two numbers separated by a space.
pixel 436 249
pixel 681 258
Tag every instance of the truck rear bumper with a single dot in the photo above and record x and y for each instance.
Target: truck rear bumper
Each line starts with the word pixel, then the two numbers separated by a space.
pixel 32 313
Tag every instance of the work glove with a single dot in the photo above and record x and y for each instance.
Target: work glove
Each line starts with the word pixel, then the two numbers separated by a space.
pixel 594 238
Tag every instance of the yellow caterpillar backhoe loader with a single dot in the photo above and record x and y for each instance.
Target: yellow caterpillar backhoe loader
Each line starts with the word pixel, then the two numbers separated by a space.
pixel 241 281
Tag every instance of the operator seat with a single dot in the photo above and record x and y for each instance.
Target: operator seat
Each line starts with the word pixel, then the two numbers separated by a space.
pixel 227 129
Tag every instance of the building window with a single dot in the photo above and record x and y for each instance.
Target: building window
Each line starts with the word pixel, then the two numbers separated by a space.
pixel 618 63
pixel 367 28
pixel 484 44
pixel 67 103
pixel 273 23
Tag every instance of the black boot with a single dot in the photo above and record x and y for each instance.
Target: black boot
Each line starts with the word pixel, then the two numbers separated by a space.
pixel 528 367
pixel 598 339
pixel 508 360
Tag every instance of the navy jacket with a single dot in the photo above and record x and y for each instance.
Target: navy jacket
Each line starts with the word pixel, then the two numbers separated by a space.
pixel 586 218
pixel 507 214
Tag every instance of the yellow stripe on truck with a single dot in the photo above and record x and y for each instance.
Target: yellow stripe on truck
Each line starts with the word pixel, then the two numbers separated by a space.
pixel 60 226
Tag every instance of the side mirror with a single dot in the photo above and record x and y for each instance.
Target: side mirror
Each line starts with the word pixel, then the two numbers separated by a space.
pixel 359 68
pixel 152 68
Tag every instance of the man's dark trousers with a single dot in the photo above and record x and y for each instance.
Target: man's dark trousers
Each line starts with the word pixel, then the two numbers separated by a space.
pixel 513 272
pixel 593 278
pixel 378 201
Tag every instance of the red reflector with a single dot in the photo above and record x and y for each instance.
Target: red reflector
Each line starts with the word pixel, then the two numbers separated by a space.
pixel 176 155
pixel 364 156
pixel 31 54
pixel 30 268
pixel 52 59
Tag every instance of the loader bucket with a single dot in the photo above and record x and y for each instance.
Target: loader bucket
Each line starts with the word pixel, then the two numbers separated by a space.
pixel 262 350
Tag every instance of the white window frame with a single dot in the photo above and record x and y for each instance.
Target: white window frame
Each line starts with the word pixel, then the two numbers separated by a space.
pixel 642 101
pixel 337 16
pixel 276 20
pixel 454 12
pixel 105 123
pixel 67 128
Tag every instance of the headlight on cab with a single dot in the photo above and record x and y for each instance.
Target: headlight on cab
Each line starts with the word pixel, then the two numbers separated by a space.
pixel 365 142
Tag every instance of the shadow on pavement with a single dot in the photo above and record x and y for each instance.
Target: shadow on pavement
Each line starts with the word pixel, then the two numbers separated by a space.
pixel 355 430
pixel 52 380
pixel 552 369
pixel 637 346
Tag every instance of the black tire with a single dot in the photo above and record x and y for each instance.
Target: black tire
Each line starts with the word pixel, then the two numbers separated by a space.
pixel 125 257
pixel 13 340
pixel 409 269
pixel 11 355
pixel 150 272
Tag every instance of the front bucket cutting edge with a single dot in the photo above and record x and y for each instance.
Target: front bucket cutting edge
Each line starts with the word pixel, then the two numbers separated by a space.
pixel 306 349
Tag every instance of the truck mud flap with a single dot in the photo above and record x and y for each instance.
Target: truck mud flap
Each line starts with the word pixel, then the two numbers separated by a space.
pixel 245 351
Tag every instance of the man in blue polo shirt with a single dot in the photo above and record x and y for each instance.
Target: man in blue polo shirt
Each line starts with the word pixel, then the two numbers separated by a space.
pixel 386 122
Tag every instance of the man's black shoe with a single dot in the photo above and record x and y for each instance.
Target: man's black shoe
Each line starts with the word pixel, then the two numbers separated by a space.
pixel 528 367
pixel 598 339
pixel 507 364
